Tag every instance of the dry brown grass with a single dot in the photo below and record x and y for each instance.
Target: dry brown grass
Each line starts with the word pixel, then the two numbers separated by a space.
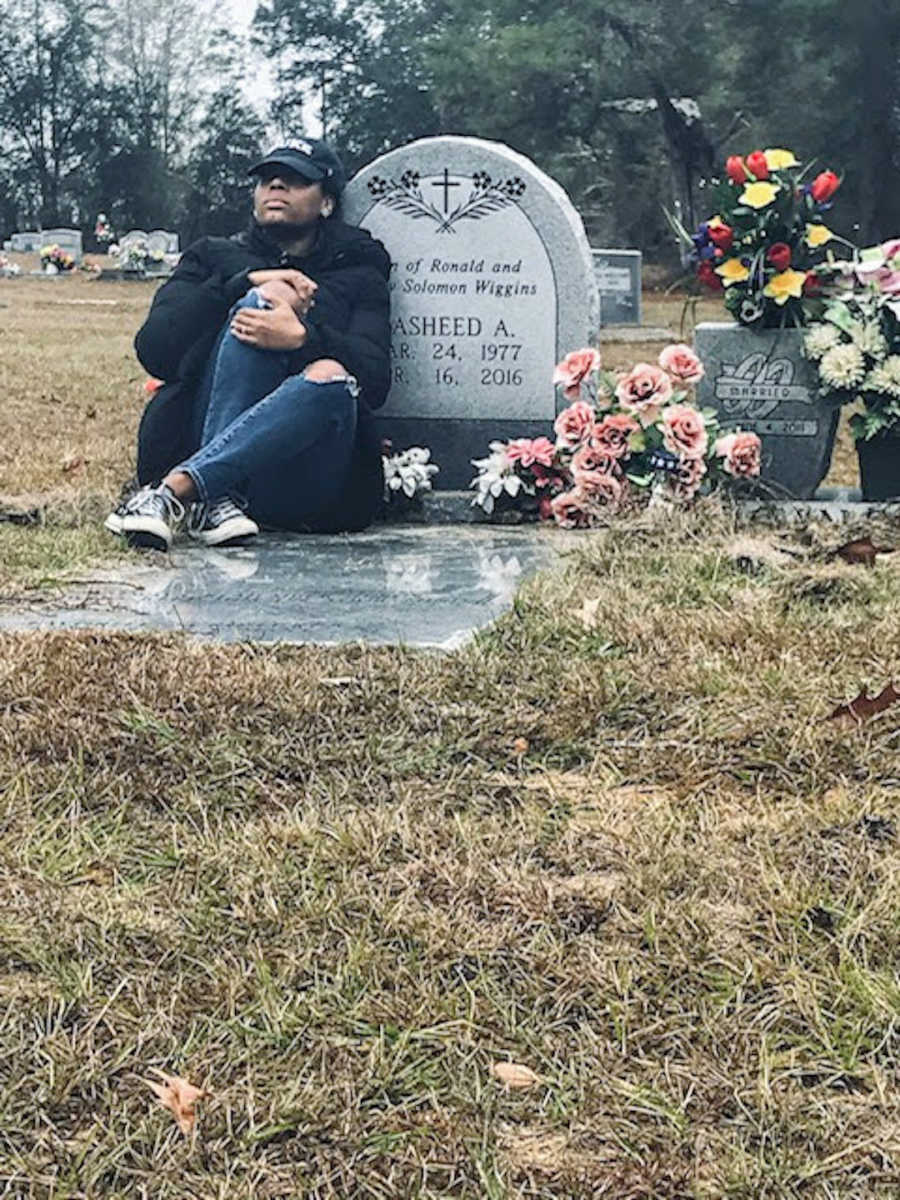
pixel 336 905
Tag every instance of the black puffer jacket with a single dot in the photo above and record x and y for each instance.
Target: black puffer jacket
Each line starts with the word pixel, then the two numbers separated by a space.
pixel 350 323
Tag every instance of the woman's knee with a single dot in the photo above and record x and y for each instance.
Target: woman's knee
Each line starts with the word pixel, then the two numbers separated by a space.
pixel 324 370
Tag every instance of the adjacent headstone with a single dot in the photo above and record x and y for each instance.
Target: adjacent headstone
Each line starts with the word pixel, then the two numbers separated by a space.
pixel 7 246
pixel 761 381
pixel 163 240
pixel 618 275
pixel 67 239
pixel 29 242
pixel 133 235
pixel 492 284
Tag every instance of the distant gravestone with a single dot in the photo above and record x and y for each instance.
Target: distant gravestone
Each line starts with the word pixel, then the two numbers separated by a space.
pixel 133 235
pixel 67 239
pixel 762 382
pixel 163 240
pixel 27 243
pixel 492 284
pixel 618 275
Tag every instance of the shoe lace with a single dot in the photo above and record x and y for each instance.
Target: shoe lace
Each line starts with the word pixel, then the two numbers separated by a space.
pixel 214 511
pixel 172 505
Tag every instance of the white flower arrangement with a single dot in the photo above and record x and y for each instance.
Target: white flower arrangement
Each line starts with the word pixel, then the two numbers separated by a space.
pixel 137 255
pixel 408 474
pixel 496 477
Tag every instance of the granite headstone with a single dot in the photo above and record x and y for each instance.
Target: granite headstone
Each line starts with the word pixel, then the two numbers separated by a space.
pixel 492 284
pixel 28 242
pixel 618 275
pixel 163 240
pixel 67 239
pixel 761 381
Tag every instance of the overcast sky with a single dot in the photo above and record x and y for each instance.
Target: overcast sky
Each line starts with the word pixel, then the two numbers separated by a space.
pixel 260 85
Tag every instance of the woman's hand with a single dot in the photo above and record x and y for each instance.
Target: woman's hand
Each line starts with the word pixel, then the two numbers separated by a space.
pixel 276 291
pixel 276 328
pixel 301 285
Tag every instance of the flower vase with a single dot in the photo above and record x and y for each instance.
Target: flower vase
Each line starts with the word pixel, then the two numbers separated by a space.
pixel 879 466
pixel 760 381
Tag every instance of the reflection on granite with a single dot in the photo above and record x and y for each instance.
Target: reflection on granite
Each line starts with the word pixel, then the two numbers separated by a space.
pixel 420 586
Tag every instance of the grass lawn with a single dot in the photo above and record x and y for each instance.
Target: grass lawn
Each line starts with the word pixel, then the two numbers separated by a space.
pixel 618 843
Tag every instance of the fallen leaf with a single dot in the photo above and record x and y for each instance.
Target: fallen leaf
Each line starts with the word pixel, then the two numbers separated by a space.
pixel 515 1075
pixel 520 746
pixel 861 550
pixel 179 1097
pixel 588 613
pixel 865 706
pixel 91 413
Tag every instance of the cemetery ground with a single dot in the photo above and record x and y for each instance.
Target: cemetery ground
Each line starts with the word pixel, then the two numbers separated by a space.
pixel 616 839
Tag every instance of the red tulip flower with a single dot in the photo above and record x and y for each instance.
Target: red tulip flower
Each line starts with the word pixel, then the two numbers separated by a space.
pixel 756 162
pixel 707 275
pixel 824 186
pixel 779 256
pixel 721 235
pixel 813 284
pixel 735 169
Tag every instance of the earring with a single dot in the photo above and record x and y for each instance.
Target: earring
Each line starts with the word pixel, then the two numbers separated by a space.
pixel 327 210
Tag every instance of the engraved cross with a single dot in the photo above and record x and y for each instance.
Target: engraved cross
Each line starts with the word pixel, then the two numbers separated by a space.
pixel 446 185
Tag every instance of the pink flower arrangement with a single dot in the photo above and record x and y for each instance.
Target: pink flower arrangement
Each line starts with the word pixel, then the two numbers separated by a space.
pixel 573 423
pixel 611 435
pixel 574 369
pixel 644 391
pixel 681 363
pixel 684 484
pixel 529 451
pixel 641 432
pixel 740 454
pixel 684 431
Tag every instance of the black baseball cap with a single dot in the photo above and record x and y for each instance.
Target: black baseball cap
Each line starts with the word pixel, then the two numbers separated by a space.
pixel 314 160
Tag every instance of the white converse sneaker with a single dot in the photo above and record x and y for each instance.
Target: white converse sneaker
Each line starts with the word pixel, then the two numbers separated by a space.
pixel 152 517
pixel 220 523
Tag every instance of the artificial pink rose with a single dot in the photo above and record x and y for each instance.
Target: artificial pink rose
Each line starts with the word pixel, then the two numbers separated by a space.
pixel 685 482
pixel 547 477
pixel 610 436
pixel 572 510
pixel 644 391
pixel 574 369
pixel 588 465
pixel 681 363
pixel 528 451
pixel 574 423
pixel 545 508
pixel 602 487
pixel 684 432
pixel 741 454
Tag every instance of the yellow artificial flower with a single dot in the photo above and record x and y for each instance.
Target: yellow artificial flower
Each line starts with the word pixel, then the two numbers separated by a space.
pixel 777 160
pixel 784 285
pixel 759 195
pixel 818 235
pixel 733 271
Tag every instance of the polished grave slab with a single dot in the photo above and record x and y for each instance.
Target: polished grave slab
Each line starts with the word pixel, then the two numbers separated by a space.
pixel 429 586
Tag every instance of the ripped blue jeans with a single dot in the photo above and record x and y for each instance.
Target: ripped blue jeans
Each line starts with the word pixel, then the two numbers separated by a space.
pixel 279 443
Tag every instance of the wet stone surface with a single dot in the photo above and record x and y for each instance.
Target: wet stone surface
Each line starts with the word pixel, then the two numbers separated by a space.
pixel 424 586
